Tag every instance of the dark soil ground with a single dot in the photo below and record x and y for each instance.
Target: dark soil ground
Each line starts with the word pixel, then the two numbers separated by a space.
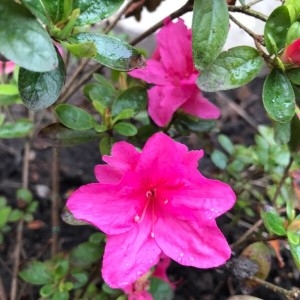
pixel 239 108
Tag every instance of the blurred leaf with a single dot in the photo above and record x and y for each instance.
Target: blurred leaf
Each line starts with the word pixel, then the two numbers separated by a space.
pixel 160 290
pixel 37 8
pixel 219 159
pixel 111 52
pixel 294 143
pixel 55 10
pixel 14 216
pixel 20 128
pixel 226 143
pixel 106 145
pixel 97 238
pixel 87 49
pixel 282 133
pixel 41 90
pixel 74 117
pixel 4 215
pixel 272 221
pixel 279 97
pixel 47 290
pixel 294 75
pixel 37 273
pixel 293 235
pixel 79 279
pixel 127 113
pixel 277 33
pixel 61 269
pixel 92 11
pixel 293 33
pixel 231 69
pixel 101 93
pixel 126 129
pixel 294 3
pixel 187 123
pixel 9 100
pixel 9 89
pixel 295 250
pixel 57 135
pixel 60 295
pixel 210 27
pixel 29 45
pixel 24 195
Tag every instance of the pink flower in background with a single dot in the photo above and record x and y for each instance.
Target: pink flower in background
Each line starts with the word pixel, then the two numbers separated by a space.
pixel 291 54
pixel 172 71
pixel 9 67
pixel 151 203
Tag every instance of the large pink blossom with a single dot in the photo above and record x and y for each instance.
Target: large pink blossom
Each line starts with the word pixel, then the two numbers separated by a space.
pixel 153 202
pixel 173 74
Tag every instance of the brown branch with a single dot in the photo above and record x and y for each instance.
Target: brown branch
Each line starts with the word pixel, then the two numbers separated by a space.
pixel 247 11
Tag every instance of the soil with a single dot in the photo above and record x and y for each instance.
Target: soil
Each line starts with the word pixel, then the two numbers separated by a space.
pixel 76 168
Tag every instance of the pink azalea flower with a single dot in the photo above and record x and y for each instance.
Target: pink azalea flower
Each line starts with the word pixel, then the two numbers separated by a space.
pixel 9 67
pixel 291 54
pixel 172 71
pixel 153 202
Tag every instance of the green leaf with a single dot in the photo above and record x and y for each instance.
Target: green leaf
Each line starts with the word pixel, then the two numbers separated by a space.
pixel 79 279
pixel 293 33
pixel 60 295
pixel 47 290
pixel 210 27
pixel 97 238
pixel 74 117
pixel 295 137
pixel 37 273
pixel 294 75
pixel 20 128
pixel 4 215
pixel 226 143
pixel 100 93
pixel 106 145
pixel 57 135
pixel 276 29
pixel 87 49
pixel 25 195
pixel 160 290
pixel 41 90
pixel 231 69
pixel 279 97
pixel 61 268
pixel 127 113
pixel 282 133
pixel 295 4
pixel 9 100
pixel 111 52
pixel 273 222
pixel 92 11
pixel 15 215
pixel 126 129
pixel 134 98
pixel 37 8
pixel 295 250
pixel 9 89
pixel 55 10
pixel 219 159
pixel 23 40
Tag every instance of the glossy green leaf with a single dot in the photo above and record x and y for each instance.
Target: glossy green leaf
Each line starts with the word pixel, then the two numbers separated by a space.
pixel 41 90
pixel 293 33
pixel 295 4
pixel 294 142
pixel 231 69
pixel 279 97
pixel 126 129
pixel 282 133
pixel 127 113
pixel 134 98
pixel 272 221
pixel 37 8
pixel 92 11
pixel 20 128
pixel 55 9
pixel 294 75
pixel 111 52
pixel 37 273
pixel 74 117
pixel 210 27
pixel 57 135
pixel 23 40
pixel 87 49
pixel 277 27
pixel 8 89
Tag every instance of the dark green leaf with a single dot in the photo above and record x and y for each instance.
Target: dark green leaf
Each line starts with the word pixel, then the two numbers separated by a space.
pixel 92 11
pixel 61 268
pixel 210 29
pixel 111 52
pixel 37 8
pixel 226 143
pixel 295 250
pixel 24 194
pixel 126 129
pixel 37 273
pixel 134 98
pixel 23 40
pixel 294 75
pixel 100 93
pixel 127 113
pixel 160 290
pixel 20 128
pixel 57 135
pixel 187 123
pixel 294 143
pixel 79 279
pixel 55 9
pixel 282 133
pixel 97 238
pixel 277 27
pixel 15 215
pixel 41 90
pixel 273 222
pixel 231 69
pixel 106 145
pixel 74 117
pixel 219 159
pixel 279 97
pixel 87 49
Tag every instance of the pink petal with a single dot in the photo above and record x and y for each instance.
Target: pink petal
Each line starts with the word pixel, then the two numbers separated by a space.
pixel 129 255
pixel 107 174
pixel 199 106
pixel 124 156
pixel 9 67
pixel 175 48
pixel 164 101
pixel 154 72
pixel 101 205
pixel 140 295
pixel 200 245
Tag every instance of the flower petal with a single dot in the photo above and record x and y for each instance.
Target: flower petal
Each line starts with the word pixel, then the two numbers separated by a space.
pixel 101 205
pixel 130 255
pixel 199 106
pixel 107 174
pixel 192 244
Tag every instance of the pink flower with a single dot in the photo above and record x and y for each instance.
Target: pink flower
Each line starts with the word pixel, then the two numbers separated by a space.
pixel 9 67
pixel 153 202
pixel 161 270
pixel 172 71
pixel 291 54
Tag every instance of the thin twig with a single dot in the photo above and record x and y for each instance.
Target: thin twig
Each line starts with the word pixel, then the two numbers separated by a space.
pixel 2 290
pixel 245 10
pixel 55 202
